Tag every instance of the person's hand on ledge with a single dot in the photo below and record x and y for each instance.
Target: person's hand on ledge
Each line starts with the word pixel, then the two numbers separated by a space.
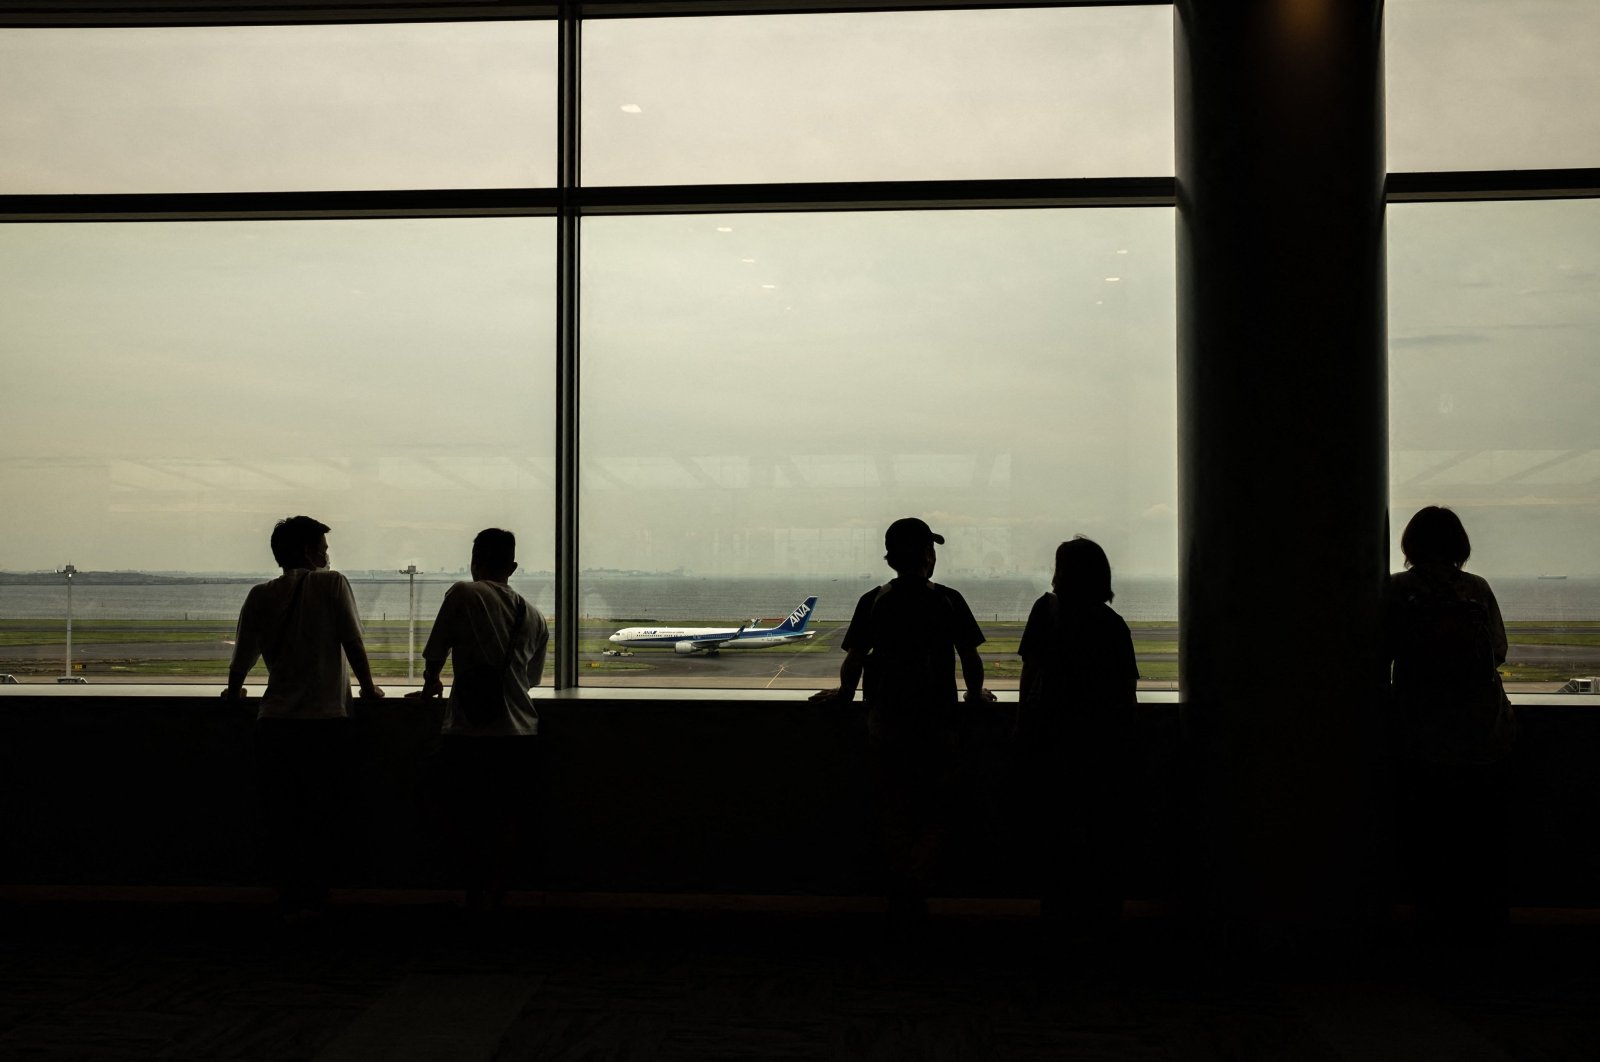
pixel 983 696
pixel 372 693
pixel 431 687
pixel 835 695
pixel 235 693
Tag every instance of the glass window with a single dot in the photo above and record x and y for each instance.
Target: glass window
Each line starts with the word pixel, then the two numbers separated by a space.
pixel 277 108
pixel 173 389
pixel 1080 92
pixel 763 394
pixel 1494 324
pixel 1492 84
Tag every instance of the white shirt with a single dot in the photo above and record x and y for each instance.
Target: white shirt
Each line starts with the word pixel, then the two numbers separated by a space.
pixel 302 642
pixel 474 628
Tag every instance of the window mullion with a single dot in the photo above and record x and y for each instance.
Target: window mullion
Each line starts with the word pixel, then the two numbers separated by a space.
pixel 569 55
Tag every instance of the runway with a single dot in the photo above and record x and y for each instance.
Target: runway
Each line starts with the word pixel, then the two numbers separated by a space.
pixel 198 652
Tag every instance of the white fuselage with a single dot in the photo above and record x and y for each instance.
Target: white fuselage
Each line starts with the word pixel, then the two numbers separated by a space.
pixel 708 641
pixel 724 637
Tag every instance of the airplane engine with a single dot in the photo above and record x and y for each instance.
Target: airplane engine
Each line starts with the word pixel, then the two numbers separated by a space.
pixel 684 648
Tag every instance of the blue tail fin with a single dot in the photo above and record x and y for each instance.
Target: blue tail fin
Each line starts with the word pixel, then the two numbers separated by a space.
pixel 799 617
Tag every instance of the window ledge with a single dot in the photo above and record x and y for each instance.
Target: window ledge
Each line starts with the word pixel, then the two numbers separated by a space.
pixel 209 691
pixel 206 691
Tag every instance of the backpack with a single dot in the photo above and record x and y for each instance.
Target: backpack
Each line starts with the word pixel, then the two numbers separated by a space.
pixel 1446 679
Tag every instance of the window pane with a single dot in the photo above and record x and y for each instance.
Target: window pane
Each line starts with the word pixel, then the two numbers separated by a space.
pixel 174 389
pixel 1491 84
pixel 1494 324
pixel 764 394
pixel 277 108
pixel 888 96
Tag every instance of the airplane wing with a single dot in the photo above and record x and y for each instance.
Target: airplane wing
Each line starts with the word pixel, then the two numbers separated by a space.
pixel 718 641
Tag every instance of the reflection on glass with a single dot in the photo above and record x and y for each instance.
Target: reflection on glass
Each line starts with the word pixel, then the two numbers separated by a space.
pixel 174 389
pixel 277 108
pixel 1073 92
pixel 1485 84
pixel 764 394
pixel 1494 321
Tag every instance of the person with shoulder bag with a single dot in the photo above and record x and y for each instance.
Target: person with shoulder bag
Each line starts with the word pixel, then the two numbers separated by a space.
pixel 487 773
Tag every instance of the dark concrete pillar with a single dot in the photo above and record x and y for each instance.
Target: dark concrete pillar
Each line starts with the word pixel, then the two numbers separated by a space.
pixel 1282 453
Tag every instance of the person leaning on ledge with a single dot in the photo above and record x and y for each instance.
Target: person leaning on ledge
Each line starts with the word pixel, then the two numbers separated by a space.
pixel 488 765
pixel 305 626
pixel 904 639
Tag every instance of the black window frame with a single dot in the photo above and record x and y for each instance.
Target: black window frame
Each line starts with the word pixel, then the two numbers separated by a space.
pixel 570 200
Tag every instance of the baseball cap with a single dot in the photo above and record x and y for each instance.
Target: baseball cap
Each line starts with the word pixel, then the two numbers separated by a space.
pixel 909 532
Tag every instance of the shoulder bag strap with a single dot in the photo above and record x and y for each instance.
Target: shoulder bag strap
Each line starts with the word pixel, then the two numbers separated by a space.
pixel 516 628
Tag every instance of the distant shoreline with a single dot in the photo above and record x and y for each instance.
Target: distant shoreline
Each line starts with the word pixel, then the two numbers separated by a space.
pixel 83 578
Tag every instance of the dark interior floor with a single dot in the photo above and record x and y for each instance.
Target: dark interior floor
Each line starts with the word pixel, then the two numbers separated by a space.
pixel 112 982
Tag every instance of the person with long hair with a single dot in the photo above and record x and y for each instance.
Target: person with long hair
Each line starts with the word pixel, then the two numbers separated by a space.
pixel 1079 677
pixel 1454 731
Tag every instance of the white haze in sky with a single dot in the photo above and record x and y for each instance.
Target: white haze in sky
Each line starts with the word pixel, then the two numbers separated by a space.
pixel 760 393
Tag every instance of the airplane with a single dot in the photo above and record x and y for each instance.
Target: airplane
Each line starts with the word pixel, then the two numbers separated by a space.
pixel 707 641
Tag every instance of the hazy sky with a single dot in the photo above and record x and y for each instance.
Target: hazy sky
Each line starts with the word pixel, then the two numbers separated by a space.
pixel 760 392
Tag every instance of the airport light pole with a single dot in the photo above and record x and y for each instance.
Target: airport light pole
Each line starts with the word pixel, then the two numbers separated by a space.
pixel 410 572
pixel 69 571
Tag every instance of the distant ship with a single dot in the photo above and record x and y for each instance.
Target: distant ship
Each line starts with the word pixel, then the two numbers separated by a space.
pixel 1552 576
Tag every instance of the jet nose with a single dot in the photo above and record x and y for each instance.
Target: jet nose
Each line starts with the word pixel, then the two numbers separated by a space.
pixel 614 637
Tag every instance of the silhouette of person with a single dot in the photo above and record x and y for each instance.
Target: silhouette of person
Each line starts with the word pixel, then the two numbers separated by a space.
pixel 305 626
pixel 1079 678
pixel 1443 633
pixel 496 641
pixel 904 639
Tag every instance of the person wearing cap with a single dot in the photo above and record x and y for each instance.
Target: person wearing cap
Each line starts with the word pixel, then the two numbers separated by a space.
pixel 904 640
